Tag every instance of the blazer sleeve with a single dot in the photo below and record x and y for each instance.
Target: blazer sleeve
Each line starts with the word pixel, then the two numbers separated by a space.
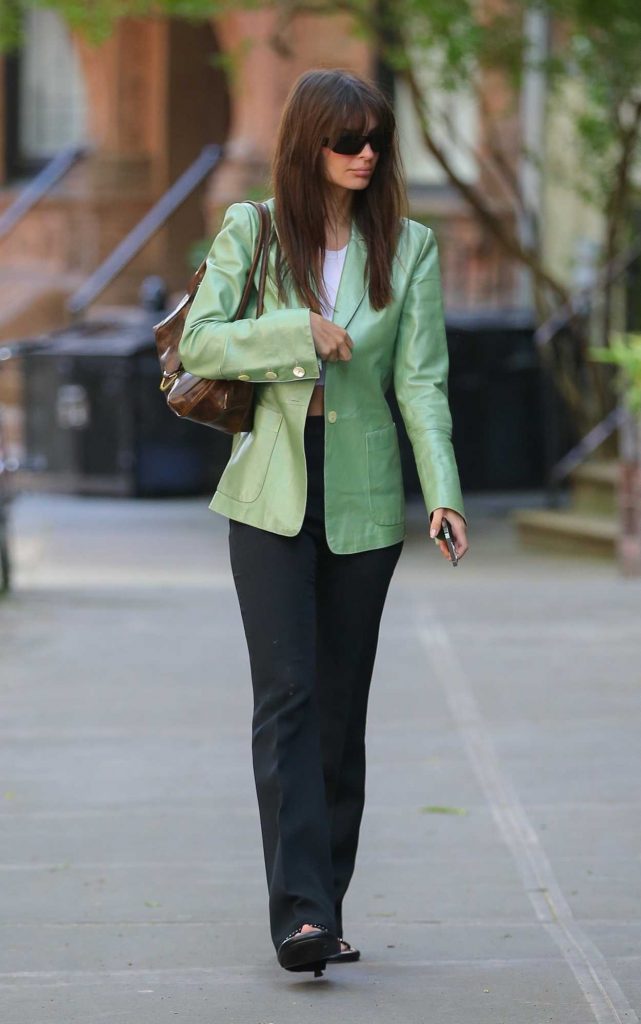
pixel 214 345
pixel 421 364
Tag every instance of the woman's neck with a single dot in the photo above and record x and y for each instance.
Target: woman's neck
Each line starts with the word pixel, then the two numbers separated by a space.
pixel 338 219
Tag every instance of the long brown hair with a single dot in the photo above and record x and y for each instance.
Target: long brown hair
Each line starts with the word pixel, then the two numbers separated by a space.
pixel 322 104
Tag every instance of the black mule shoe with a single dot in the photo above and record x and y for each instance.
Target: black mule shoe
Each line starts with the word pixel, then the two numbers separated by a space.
pixel 308 951
pixel 345 956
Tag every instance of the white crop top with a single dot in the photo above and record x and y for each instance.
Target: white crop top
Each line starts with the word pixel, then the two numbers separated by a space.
pixel 332 270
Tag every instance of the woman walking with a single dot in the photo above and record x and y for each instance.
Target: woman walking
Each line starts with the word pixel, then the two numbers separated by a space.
pixel 314 491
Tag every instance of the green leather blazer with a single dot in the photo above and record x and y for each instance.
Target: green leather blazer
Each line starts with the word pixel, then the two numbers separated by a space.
pixel 265 481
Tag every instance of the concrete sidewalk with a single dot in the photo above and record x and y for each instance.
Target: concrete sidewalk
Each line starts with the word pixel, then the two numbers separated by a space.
pixel 499 874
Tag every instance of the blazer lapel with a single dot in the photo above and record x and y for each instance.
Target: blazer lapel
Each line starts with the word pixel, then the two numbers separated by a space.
pixel 352 287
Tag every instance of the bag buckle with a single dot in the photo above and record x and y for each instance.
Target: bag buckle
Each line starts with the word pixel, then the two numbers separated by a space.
pixel 167 380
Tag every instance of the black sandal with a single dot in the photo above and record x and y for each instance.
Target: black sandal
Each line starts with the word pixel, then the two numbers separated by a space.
pixel 345 956
pixel 308 951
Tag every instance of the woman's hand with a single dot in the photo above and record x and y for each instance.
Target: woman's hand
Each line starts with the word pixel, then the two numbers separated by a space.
pixel 459 531
pixel 331 342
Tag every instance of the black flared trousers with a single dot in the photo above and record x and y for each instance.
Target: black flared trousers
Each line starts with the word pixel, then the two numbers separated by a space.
pixel 311 621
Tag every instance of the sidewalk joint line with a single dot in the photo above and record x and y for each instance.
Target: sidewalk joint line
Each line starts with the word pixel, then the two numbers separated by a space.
pixel 595 979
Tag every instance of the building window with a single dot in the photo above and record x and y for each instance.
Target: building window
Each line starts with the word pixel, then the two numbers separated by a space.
pixel 454 124
pixel 46 95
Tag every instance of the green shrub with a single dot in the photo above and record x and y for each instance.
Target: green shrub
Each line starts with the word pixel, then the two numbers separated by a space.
pixel 624 351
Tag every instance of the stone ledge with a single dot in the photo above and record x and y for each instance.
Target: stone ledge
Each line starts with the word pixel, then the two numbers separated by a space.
pixel 568 532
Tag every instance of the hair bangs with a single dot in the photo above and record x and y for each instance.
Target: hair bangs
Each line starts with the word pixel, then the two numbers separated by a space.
pixel 354 110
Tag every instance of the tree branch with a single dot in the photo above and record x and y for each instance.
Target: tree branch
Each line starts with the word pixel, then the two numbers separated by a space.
pixel 504 170
pixel 485 215
pixel 617 200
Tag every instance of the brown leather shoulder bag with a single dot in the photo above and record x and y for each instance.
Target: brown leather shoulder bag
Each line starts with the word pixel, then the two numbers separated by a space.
pixel 226 405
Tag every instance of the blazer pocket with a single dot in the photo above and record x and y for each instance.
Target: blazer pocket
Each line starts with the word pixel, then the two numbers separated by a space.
pixel 244 475
pixel 386 497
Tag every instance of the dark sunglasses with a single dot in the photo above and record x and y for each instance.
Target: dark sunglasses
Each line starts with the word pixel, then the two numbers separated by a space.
pixel 351 144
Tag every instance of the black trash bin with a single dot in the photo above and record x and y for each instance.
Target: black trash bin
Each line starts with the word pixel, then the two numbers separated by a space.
pixel 496 394
pixel 97 423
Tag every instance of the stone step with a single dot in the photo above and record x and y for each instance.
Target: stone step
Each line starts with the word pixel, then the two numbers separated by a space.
pixel 595 488
pixel 568 532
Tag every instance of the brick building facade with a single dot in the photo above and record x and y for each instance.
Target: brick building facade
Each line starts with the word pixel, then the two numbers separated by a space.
pixel 144 104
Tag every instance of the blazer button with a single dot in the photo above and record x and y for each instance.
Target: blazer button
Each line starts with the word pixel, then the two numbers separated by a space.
pixel 270 375
pixel 298 371
pixel 331 416
pixel 243 376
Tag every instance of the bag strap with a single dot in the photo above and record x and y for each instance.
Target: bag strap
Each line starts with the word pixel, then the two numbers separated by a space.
pixel 261 253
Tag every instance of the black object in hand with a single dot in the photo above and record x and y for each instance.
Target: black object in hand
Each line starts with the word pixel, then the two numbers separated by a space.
pixel 448 537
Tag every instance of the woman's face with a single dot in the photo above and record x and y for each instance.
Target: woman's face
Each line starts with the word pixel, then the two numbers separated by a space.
pixel 351 172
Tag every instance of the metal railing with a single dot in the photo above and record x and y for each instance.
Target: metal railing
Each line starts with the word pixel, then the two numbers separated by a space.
pixel 584 297
pixel 587 445
pixel 143 231
pixel 38 187
pixel 582 303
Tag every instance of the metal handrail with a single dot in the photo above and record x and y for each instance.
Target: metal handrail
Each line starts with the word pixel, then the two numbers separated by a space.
pixel 561 317
pixel 588 444
pixel 38 187
pixel 140 234
pixel 551 327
